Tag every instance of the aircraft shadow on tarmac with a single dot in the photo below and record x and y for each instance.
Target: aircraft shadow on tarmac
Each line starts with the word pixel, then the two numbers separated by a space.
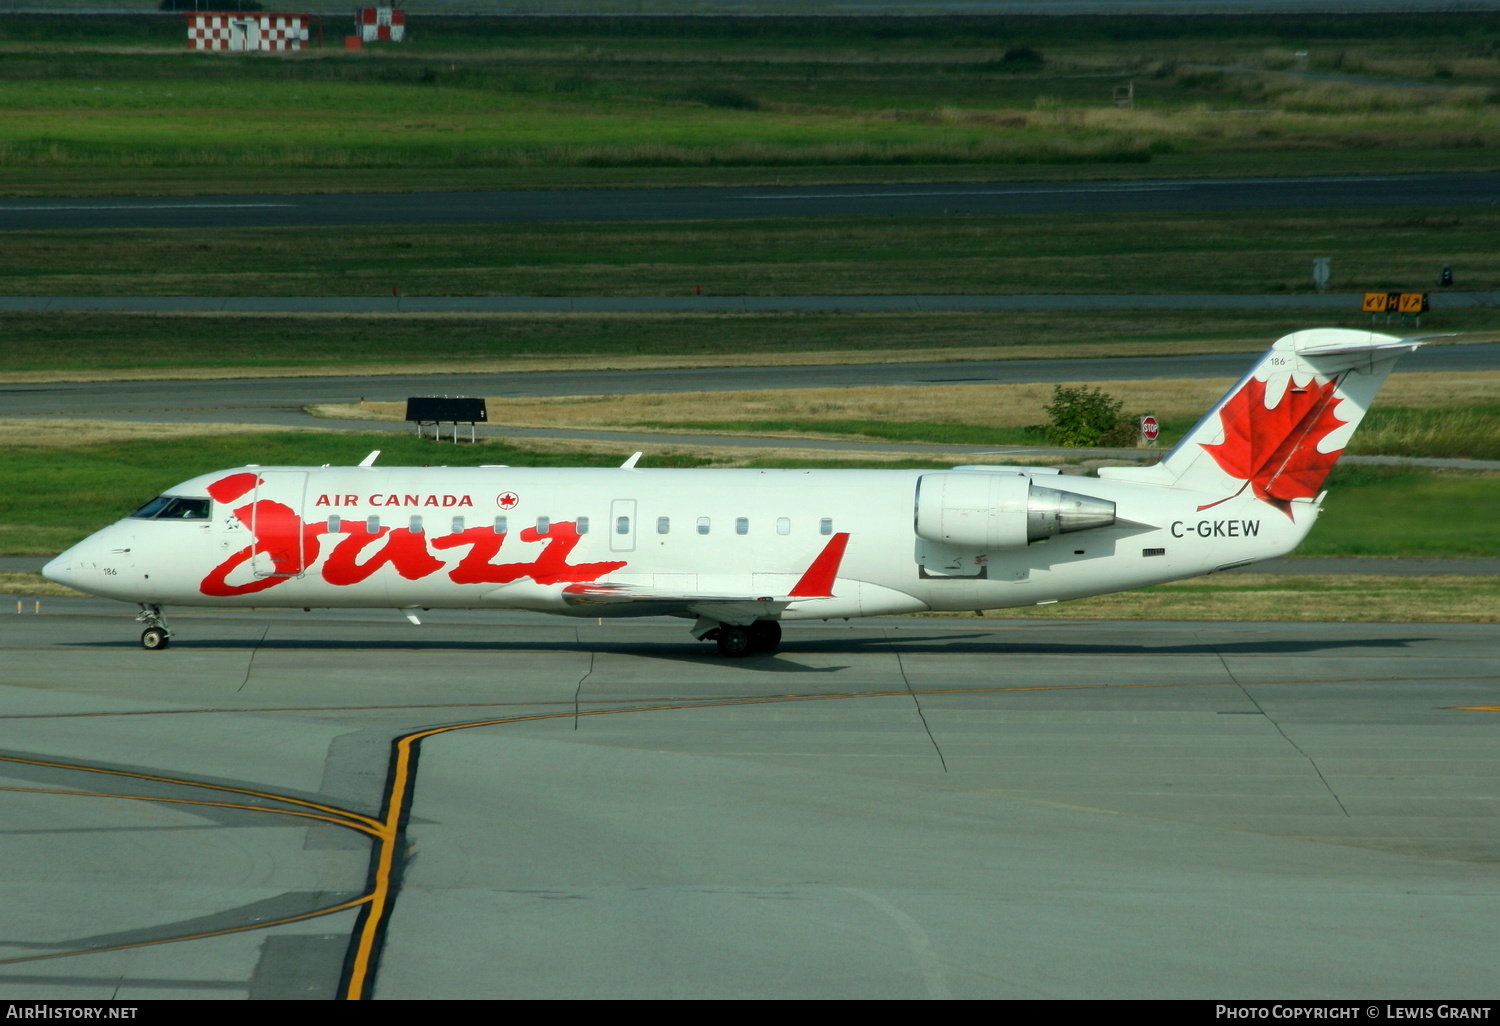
pixel 978 642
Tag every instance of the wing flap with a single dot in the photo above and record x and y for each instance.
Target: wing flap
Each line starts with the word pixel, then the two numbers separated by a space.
pixel 816 582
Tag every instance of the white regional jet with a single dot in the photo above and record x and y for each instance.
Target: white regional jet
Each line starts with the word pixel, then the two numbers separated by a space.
pixel 741 551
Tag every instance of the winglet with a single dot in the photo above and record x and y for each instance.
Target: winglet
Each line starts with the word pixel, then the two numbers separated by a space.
pixel 817 582
pixel 630 463
pixel 369 461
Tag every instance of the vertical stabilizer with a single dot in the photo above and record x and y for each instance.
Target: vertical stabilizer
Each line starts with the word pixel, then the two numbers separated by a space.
pixel 1278 432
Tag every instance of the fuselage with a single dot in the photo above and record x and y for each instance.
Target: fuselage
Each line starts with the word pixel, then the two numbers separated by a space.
pixel 515 537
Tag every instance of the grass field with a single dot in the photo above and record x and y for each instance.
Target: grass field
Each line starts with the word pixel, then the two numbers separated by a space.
pixel 517 102
pixel 45 345
pixel 89 346
pixel 56 494
pixel 1157 252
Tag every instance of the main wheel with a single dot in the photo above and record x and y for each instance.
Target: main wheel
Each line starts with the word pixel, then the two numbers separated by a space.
pixel 765 635
pixel 154 639
pixel 733 641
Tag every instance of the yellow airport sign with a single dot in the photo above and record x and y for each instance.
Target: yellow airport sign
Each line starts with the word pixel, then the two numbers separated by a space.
pixel 1395 302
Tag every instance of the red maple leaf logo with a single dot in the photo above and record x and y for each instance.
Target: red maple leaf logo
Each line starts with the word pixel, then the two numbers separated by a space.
pixel 1275 451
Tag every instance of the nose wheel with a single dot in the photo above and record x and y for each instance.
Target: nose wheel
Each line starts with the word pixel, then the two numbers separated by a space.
pixel 157 634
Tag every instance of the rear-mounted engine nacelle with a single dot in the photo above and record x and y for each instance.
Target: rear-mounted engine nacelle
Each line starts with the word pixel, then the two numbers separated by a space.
pixel 987 511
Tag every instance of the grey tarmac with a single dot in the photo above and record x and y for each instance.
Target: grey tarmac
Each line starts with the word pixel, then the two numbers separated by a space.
pixel 1334 192
pixel 885 809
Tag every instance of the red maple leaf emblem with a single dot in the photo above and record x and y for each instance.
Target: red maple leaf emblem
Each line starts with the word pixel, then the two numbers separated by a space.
pixel 1275 450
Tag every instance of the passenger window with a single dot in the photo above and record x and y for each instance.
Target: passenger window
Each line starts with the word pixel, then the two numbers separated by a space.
pixel 783 525
pixel 825 526
pixel 622 525
pixel 415 525
pixel 458 525
pixel 543 525
pixel 703 525
pixel 372 525
pixel 663 525
pixel 501 525
pixel 741 525
pixel 582 525
pixel 334 523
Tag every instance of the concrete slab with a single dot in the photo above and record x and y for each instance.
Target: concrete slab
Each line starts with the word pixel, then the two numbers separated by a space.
pixel 898 808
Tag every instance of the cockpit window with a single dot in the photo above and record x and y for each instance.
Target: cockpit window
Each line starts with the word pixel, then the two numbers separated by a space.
pixel 150 509
pixel 174 507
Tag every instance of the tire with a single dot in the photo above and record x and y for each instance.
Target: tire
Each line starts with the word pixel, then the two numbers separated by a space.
pixel 154 639
pixel 765 635
pixel 733 642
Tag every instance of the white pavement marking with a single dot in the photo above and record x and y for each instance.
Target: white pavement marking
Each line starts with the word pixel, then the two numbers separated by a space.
pixel 921 944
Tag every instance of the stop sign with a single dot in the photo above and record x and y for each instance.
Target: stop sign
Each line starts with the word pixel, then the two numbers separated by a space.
pixel 1150 428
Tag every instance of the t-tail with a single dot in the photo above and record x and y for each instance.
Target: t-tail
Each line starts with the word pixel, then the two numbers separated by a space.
pixel 1279 431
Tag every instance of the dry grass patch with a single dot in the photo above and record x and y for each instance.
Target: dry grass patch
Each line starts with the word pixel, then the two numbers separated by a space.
pixel 30 586
pixel 744 455
pixel 15 431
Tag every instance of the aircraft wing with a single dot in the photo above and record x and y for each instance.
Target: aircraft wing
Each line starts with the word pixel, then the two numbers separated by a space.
pixel 650 601
pixel 816 582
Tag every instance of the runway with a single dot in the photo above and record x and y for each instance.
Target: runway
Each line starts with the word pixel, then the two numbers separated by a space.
pixel 738 202
pixel 904 808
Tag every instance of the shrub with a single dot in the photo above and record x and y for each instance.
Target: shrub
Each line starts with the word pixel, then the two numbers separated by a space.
pixel 1021 58
pixel 1082 417
pixel 717 96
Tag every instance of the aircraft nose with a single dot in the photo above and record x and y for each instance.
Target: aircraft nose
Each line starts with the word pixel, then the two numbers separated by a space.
pixel 72 566
pixel 60 569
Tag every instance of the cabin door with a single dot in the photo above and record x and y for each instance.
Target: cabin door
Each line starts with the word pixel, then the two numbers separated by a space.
pixel 276 524
pixel 622 525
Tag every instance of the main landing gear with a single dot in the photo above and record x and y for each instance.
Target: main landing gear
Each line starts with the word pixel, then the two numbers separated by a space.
pixel 157 634
pixel 760 636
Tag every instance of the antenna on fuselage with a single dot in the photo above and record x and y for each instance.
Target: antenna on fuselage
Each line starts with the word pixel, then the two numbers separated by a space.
pixel 369 461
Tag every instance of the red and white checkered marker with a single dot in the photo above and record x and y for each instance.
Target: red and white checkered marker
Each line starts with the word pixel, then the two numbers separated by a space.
pixel 219 30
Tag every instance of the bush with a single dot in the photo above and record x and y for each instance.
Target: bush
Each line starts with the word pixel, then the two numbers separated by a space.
pixel 1021 58
pixel 1083 417
pixel 717 96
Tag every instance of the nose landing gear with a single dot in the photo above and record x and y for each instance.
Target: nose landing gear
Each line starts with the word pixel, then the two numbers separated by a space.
pixel 157 634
